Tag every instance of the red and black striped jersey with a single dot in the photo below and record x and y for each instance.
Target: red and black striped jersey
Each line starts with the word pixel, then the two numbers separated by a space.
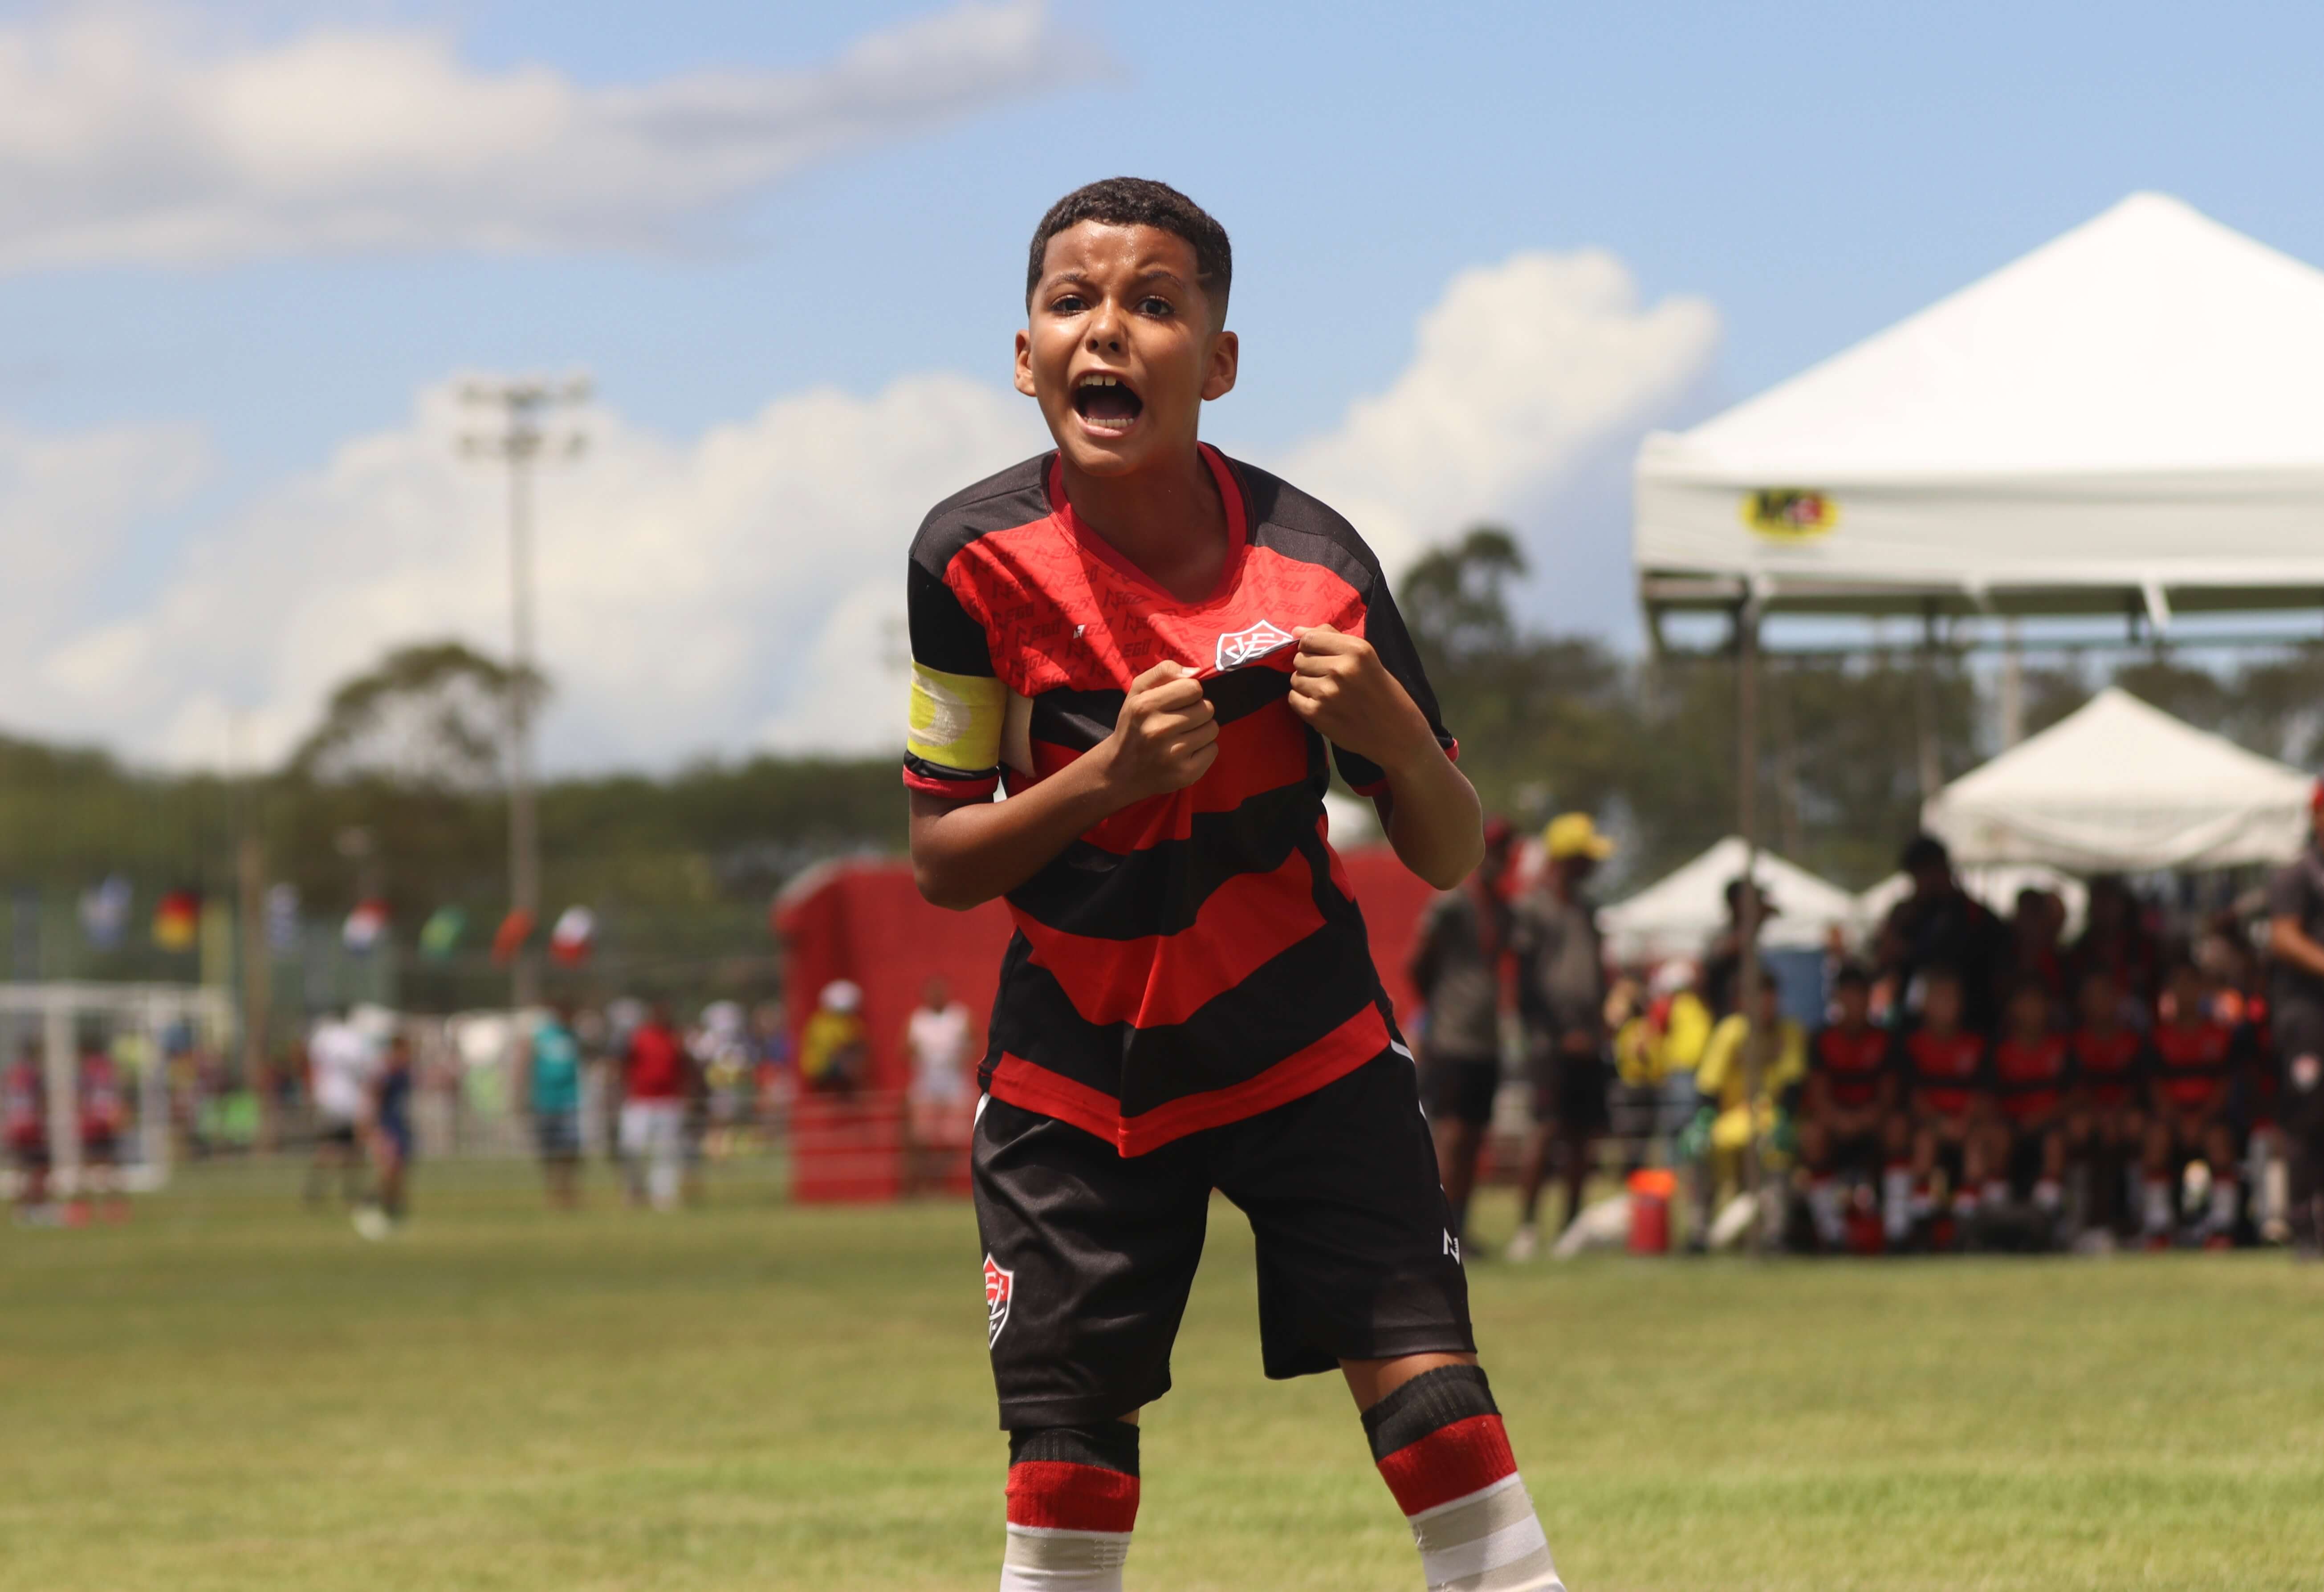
pixel 2109 1066
pixel 1943 1072
pixel 1198 957
pixel 2193 1066
pixel 2031 1076
pixel 1852 1065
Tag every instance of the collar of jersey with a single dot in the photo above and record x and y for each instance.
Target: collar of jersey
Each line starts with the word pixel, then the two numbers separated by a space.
pixel 1061 510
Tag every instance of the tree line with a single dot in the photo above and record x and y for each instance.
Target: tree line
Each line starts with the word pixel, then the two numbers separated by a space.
pixel 398 794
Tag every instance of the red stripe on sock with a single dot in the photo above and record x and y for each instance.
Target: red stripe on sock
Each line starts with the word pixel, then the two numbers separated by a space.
pixel 1065 1497
pixel 1449 1463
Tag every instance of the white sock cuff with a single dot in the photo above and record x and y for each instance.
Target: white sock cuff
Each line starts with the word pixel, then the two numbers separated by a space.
pixel 1489 1542
pixel 1040 1559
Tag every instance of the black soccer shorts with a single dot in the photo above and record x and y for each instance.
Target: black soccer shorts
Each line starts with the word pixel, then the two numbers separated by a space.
pixel 1089 1253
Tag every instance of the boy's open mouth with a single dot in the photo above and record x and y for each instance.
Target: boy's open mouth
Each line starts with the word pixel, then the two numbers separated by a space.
pixel 1106 402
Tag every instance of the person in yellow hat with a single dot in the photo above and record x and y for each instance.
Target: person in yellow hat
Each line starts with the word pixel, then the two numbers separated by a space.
pixel 1562 997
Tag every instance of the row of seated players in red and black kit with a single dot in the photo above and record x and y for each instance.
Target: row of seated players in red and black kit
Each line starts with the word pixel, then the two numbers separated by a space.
pixel 2039 1118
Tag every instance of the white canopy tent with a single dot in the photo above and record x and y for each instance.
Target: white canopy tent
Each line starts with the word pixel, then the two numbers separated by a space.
pixel 2130 420
pixel 1677 914
pixel 2130 417
pixel 2119 787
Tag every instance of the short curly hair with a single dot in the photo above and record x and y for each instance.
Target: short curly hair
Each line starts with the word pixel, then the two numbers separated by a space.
pixel 1138 201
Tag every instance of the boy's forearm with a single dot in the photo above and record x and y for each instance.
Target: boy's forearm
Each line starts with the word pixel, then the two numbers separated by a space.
pixel 1434 821
pixel 966 853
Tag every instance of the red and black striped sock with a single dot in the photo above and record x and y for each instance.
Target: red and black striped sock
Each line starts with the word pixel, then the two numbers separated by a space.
pixel 1440 1444
pixel 1072 1498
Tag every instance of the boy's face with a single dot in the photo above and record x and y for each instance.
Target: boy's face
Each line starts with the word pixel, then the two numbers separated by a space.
pixel 1122 347
pixel 1855 1003
pixel 2100 1004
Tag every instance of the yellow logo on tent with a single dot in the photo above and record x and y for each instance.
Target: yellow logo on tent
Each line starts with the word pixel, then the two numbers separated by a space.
pixel 1790 513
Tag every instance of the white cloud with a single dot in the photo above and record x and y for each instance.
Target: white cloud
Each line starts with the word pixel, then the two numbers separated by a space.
pixel 126 135
pixel 68 506
pixel 744 588
pixel 1524 373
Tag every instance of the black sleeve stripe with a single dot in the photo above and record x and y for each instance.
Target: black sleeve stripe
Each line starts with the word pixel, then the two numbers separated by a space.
pixel 945 635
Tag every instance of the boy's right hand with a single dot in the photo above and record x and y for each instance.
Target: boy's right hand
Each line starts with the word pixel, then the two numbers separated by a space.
pixel 1167 737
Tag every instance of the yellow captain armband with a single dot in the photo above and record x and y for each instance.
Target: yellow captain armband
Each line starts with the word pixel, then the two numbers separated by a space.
pixel 957 719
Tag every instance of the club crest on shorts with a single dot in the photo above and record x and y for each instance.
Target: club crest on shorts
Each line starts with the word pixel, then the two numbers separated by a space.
pixel 999 1287
pixel 1238 648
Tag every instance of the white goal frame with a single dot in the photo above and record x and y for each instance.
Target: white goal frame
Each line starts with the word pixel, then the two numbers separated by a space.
pixel 149 1009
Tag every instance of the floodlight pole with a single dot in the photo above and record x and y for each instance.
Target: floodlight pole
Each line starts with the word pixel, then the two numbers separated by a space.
pixel 1747 824
pixel 521 439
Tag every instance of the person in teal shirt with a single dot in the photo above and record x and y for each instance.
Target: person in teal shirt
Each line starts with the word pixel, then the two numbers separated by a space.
pixel 553 1077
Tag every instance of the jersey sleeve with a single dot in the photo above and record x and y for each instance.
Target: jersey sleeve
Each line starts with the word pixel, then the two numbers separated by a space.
pixel 1383 629
pixel 951 744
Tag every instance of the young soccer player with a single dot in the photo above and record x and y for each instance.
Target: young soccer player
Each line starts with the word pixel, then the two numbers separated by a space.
pixel 1155 649
pixel 2192 1060
pixel 1946 1099
pixel 25 1123
pixel 2033 1071
pixel 1848 1119
pixel 1729 1114
pixel 104 1115
pixel 2106 1124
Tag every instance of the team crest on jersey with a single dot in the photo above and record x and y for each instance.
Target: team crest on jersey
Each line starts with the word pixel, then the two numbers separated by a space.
pixel 1241 647
pixel 999 1287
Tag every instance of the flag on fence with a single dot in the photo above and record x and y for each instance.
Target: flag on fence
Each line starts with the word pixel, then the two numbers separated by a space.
pixel 439 936
pixel 177 920
pixel 576 932
pixel 104 913
pixel 281 918
pixel 365 925
pixel 509 939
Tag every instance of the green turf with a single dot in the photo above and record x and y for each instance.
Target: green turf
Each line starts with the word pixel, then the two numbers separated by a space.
pixel 232 1393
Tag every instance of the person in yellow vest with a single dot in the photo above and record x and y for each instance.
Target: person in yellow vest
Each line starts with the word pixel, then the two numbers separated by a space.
pixel 1728 1114
pixel 832 1056
pixel 1656 1049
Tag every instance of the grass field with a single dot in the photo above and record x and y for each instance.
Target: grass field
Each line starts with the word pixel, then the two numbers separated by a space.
pixel 230 1392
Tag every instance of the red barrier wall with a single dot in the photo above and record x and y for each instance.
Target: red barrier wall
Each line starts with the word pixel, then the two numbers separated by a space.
pixel 865 920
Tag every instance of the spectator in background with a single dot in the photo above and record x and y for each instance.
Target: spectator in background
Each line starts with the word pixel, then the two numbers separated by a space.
pixel 103 1116
pixel 2191 1061
pixel 1946 1100
pixel 2105 1126
pixel 834 1052
pixel 654 1087
pixel 2116 941
pixel 341 1062
pixel 2295 945
pixel 391 1144
pixel 1732 1113
pixel 938 1039
pixel 1941 925
pixel 24 1120
pixel 1456 967
pixel 2037 927
pixel 1722 958
pixel 1656 1050
pixel 553 1086
pixel 1848 1122
pixel 1560 966
pixel 2033 1075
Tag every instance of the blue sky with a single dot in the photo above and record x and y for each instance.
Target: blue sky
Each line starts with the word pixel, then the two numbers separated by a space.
pixel 1800 176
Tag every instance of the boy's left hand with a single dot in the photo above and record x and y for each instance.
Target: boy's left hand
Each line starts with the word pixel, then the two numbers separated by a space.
pixel 1340 687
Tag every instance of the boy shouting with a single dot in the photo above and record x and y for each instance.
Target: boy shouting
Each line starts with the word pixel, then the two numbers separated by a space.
pixel 1154 649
